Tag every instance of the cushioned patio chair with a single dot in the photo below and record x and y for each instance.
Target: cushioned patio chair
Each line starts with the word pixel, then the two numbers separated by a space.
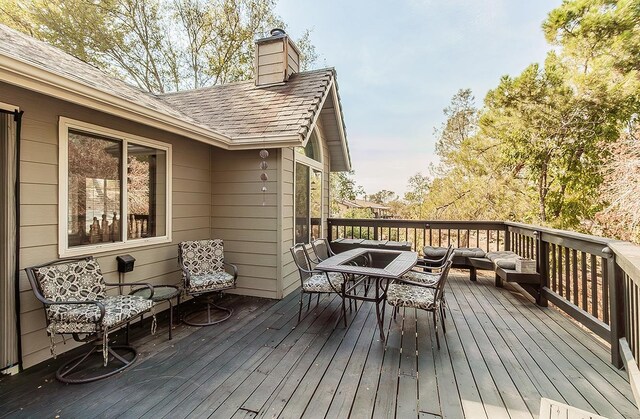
pixel 316 282
pixel 74 294
pixel 205 277
pixel 418 296
pixel 427 270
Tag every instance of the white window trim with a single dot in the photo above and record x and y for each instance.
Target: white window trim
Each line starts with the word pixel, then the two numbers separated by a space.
pixel 66 124
pixel 312 164
pixel 8 107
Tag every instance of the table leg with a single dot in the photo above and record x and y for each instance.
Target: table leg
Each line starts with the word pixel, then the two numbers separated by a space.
pixel 378 299
pixel 170 318
pixel 178 307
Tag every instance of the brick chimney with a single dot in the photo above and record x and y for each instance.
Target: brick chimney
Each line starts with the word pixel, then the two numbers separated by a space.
pixel 277 58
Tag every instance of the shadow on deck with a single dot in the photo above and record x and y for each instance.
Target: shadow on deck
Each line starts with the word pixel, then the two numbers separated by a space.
pixel 500 356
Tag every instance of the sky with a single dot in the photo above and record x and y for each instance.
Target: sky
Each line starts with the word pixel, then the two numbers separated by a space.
pixel 400 62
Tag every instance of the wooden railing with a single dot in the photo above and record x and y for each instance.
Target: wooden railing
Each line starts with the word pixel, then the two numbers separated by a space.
pixel 594 280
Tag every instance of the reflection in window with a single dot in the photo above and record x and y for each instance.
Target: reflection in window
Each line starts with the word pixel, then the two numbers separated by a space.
pixel 302 203
pixel 308 204
pixel 146 192
pixel 315 196
pixel 96 196
pixel 94 189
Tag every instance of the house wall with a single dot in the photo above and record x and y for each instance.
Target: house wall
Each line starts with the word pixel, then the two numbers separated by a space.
pixel 157 264
pixel 289 272
pixel 249 228
pixel 216 194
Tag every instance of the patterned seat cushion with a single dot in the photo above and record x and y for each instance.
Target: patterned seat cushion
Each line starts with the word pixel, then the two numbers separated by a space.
pixel 504 259
pixel 320 283
pixel 427 278
pixel 403 295
pixel 210 282
pixel 82 318
pixel 203 261
pixel 73 281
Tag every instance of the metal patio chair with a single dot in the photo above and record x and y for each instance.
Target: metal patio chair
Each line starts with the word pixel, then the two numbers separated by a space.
pixel 321 249
pixel 74 295
pixel 316 282
pixel 419 296
pixel 427 271
pixel 205 277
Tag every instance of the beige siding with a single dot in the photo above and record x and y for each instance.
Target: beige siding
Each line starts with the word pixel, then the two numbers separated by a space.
pixel 249 228
pixel 289 273
pixel 39 205
pixel 270 62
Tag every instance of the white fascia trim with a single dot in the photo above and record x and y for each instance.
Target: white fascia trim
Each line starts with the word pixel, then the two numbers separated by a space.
pixel 265 141
pixel 33 78
pixel 343 138
pixel 319 111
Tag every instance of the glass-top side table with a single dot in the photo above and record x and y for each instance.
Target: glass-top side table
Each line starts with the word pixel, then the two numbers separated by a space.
pixel 162 293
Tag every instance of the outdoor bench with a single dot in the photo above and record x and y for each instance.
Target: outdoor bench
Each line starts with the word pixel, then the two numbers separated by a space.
pixel 503 263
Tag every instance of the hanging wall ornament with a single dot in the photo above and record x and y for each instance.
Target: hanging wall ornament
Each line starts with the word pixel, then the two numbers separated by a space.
pixel 263 176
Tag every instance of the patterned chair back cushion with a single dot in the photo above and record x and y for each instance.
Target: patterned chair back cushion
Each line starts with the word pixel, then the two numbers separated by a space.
pixel 80 280
pixel 202 257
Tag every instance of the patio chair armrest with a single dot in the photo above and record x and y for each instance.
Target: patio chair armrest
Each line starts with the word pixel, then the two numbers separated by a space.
pixel 234 269
pixel 430 264
pixel 131 284
pixel 98 303
pixel 419 284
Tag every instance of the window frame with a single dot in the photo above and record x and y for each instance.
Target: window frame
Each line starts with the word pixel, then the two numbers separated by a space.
pixel 312 164
pixel 64 126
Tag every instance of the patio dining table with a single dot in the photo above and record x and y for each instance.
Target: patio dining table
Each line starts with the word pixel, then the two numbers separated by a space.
pixel 383 266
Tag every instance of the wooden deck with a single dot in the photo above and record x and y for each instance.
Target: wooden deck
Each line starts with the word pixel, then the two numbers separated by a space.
pixel 500 356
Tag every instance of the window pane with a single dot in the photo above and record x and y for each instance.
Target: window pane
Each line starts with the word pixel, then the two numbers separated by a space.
pixel 311 150
pixel 316 204
pixel 94 189
pixel 302 203
pixel 146 192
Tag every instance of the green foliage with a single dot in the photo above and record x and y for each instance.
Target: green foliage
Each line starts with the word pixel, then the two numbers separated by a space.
pixel 342 186
pixel 472 182
pixel 382 197
pixel 159 45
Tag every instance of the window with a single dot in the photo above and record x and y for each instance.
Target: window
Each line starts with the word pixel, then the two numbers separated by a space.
pixel 114 189
pixel 308 191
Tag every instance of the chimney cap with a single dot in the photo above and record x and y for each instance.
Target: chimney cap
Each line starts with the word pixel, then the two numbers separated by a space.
pixel 277 32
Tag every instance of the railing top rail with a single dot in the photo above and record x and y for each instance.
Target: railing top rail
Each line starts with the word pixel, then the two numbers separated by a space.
pixel 453 224
pixel 562 233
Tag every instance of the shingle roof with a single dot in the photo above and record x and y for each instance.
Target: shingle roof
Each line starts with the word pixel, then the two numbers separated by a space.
pixel 236 115
pixel 244 110
pixel 40 54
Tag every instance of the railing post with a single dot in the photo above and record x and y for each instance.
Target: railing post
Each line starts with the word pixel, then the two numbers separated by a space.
pixel 616 307
pixel 507 238
pixel 542 253
pixel 375 230
pixel 329 231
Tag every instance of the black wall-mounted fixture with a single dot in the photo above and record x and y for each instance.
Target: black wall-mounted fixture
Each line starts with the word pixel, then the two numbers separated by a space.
pixel 125 263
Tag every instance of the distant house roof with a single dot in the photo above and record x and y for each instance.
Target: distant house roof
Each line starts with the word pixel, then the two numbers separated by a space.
pixel 231 116
pixel 360 203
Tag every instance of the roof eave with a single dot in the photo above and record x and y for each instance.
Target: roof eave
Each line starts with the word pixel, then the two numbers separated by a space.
pixel 34 78
pixel 340 117
pixel 266 141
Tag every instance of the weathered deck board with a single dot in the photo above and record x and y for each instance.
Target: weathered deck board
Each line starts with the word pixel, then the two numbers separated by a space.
pixel 501 354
